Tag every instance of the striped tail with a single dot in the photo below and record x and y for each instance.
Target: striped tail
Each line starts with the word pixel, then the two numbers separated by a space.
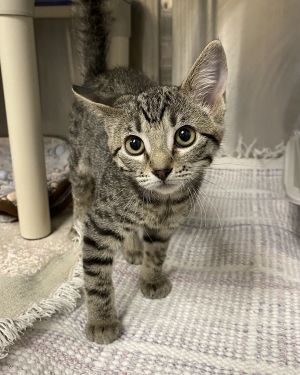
pixel 91 19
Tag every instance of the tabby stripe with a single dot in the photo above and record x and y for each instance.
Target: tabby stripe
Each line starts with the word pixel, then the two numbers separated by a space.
pixel 154 238
pixel 162 111
pixel 137 124
pixel 90 242
pixel 99 293
pixel 124 219
pixel 105 231
pixel 173 118
pixel 116 151
pixel 209 158
pixel 89 261
pixel 89 272
pixel 146 115
pixel 212 138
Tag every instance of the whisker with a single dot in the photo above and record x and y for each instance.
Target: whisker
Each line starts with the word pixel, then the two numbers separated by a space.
pixel 212 205
pixel 200 205
pixel 213 183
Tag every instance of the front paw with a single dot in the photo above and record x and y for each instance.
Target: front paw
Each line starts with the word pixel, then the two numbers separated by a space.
pixel 156 288
pixel 103 332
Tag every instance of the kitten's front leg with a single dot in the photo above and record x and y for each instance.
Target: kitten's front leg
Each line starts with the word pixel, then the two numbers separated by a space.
pixel 154 283
pixel 99 244
pixel 133 248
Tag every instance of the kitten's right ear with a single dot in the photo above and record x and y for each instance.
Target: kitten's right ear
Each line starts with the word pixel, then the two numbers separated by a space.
pixel 89 97
pixel 206 82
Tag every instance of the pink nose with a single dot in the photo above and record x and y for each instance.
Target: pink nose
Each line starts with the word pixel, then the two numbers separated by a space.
pixel 162 174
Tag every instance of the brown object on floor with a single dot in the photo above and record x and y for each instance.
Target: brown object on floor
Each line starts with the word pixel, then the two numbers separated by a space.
pixel 59 198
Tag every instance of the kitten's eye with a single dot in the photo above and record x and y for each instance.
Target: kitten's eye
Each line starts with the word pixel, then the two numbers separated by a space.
pixel 185 136
pixel 134 145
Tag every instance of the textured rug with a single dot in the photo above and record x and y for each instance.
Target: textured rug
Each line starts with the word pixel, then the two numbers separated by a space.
pixel 235 304
pixel 37 278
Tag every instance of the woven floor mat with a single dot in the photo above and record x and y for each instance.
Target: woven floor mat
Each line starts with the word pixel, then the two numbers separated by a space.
pixel 235 304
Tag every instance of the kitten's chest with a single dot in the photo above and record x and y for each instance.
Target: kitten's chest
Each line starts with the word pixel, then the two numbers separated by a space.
pixel 165 215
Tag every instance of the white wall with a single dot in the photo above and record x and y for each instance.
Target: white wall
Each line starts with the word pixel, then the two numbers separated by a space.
pixel 262 42
pixel 261 39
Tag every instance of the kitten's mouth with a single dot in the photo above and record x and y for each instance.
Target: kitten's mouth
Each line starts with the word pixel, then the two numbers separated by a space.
pixel 165 187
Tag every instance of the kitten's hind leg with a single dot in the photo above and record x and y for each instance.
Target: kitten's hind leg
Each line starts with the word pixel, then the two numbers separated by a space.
pixel 133 249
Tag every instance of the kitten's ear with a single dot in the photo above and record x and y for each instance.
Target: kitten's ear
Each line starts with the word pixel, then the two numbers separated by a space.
pixel 89 96
pixel 206 82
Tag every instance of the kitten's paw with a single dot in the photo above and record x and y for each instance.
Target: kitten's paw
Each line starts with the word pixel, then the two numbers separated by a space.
pixel 134 257
pixel 103 333
pixel 156 289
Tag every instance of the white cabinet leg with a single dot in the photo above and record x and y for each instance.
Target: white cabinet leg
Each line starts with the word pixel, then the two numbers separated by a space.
pixel 22 102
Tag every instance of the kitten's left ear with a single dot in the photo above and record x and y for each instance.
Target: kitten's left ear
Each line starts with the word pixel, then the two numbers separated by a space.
pixel 206 82
pixel 88 96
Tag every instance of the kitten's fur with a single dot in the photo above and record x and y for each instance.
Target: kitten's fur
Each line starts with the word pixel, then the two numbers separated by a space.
pixel 117 195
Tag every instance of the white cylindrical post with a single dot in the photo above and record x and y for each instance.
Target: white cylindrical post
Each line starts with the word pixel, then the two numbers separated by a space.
pixel 23 111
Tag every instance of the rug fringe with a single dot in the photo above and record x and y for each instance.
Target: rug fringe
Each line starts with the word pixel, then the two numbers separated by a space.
pixel 250 151
pixel 64 299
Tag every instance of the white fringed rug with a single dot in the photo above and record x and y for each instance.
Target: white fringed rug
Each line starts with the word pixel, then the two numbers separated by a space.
pixel 235 304
pixel 37 278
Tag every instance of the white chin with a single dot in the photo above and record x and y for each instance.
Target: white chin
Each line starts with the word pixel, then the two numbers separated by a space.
pixel 166 188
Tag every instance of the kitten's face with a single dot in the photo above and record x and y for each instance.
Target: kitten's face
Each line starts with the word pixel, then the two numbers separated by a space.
pixel 163 140
pixel 165 137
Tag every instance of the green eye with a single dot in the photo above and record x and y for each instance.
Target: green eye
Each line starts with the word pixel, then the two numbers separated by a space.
pixel 185 136
pixel 134 145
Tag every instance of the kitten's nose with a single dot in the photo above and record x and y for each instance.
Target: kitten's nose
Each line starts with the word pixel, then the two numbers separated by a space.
pixel 162 173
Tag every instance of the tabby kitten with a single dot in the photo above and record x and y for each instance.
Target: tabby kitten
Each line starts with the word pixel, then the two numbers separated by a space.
pixel 138 152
